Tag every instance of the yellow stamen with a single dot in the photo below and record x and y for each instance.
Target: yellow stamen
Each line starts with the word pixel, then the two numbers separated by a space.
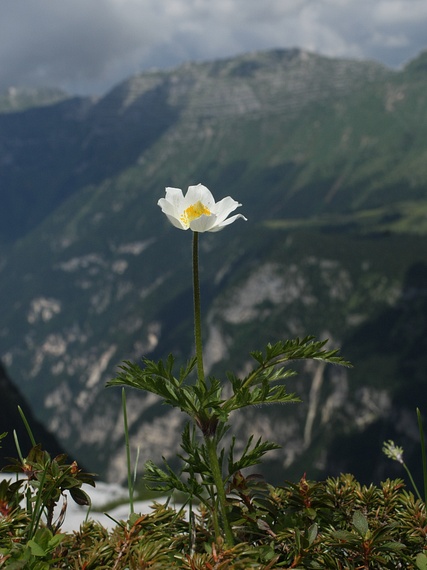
pixel 193 212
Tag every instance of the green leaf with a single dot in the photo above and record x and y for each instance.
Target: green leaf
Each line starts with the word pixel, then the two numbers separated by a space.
pixel 344 535
pixel 79 496
pixel 311 513
pixel 392 545
pixel 421 561
pixel 312 533
pixel 249 457
pixel 56 540
pixel 36 549
pixel 360 523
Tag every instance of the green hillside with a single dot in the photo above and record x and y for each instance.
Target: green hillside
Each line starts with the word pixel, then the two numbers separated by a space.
pixel 328 158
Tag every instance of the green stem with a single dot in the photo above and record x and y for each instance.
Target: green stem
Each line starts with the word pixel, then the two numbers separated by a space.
pixel 423 454
pixel 39 506
pixel 411 479
pixel 219 484
pixel 127 445
pixel 197 312
pixel 209 440
pixel 215 520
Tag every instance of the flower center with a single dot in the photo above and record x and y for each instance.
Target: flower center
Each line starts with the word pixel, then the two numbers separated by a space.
pixel 193 212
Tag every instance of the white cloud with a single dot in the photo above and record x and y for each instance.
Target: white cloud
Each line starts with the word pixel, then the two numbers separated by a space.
pixel 400 12
pixel 87 45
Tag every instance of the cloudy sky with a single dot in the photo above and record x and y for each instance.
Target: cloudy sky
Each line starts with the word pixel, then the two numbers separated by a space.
pixel 87 46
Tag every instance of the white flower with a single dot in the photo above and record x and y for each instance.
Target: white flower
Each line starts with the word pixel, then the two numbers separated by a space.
pixel 197 210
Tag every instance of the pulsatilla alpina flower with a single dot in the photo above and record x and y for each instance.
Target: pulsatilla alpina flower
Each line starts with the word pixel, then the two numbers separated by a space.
pixel 197 210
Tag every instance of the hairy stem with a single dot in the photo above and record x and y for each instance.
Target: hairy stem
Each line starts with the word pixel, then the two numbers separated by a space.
pixel 209 439
pixel 197 312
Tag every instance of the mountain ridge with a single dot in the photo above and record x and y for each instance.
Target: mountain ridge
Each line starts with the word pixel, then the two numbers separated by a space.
pixel 130 96
pixel 332 181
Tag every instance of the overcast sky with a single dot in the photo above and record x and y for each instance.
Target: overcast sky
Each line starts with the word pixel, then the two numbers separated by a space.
pixel 87 46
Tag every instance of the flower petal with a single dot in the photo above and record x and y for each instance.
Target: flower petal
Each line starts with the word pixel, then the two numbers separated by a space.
pixel 203 223
pixel 175 198
pixel 224 207
pixel 176 222
pixel 199 193
pixel 227 222
pixel 171 205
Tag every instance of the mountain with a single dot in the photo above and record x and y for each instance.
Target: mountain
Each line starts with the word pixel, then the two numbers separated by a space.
pixel 328 158
pixel 11 421
pixel 19 98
